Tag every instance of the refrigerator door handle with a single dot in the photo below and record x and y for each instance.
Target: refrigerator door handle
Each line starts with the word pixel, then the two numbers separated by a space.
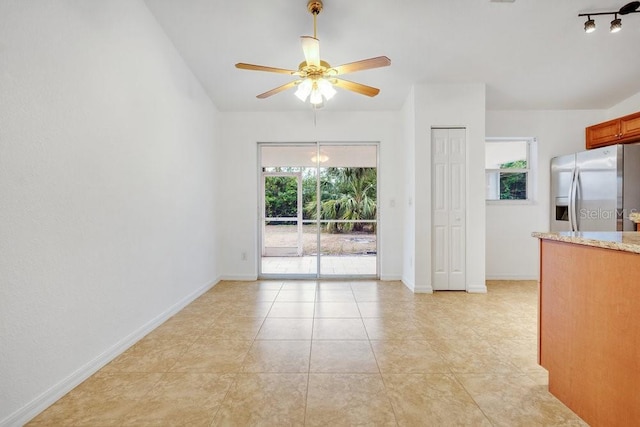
pixel 576 183
pixel 572 200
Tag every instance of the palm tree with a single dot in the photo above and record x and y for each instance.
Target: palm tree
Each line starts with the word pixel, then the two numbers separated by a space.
pixel 354 199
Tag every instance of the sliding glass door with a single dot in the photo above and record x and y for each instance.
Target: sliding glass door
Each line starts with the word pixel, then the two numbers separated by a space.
pixel 300 237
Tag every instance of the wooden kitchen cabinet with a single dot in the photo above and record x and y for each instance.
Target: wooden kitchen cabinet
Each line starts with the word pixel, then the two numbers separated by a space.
pixel 603 134
pixel 622 130
pixel 630 127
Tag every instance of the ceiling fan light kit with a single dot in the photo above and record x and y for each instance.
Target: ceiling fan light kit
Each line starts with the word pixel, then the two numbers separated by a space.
pixel 616 23
pixel 317 79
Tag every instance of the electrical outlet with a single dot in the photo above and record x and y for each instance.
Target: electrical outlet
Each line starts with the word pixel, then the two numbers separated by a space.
pixel 243 256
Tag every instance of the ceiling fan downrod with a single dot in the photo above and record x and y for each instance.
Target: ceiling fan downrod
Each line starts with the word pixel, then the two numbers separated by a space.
pixel 315 7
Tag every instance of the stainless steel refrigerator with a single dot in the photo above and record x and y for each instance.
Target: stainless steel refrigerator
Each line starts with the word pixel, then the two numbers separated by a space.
pixel 596 190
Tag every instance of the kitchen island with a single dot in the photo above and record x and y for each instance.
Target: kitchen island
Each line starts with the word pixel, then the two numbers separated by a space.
pixel 589 323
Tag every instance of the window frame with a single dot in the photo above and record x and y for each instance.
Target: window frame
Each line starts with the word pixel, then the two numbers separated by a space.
pixel 529 170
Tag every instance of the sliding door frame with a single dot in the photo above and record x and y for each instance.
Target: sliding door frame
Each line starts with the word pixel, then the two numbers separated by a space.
pixel 318 222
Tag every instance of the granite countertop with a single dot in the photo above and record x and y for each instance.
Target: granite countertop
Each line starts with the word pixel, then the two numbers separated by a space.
pixel 627 241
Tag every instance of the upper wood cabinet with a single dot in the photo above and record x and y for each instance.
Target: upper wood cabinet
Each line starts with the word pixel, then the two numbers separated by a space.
pixel 630 127
pixel 603 134
pixel 617 131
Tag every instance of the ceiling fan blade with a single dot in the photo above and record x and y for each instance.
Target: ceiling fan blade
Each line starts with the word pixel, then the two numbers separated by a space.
pixel 365 64
pixel 356 87
pixel 278 89
pixel 254 67
pixel 311 49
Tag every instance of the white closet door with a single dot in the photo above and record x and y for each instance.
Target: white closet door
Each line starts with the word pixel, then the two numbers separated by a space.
pixel 448 156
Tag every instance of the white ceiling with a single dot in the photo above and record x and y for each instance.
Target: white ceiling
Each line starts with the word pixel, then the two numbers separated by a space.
pixel 532 54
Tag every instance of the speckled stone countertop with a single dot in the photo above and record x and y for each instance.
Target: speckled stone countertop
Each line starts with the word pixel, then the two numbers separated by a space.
pixel 627 241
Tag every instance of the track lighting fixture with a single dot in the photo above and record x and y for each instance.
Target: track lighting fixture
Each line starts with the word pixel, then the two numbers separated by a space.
pixel 616 24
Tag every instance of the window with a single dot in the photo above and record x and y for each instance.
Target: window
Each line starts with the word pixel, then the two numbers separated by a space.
pixel 508 168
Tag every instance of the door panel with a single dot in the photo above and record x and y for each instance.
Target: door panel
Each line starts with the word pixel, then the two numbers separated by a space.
pixel 457 219
pixel 457 250
pixel 440 258
pixel 448 209
pixel 348 217
pixel 440 202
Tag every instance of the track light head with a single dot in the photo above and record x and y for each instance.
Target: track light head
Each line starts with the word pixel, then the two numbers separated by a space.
pixel 616 24
pixel 589 25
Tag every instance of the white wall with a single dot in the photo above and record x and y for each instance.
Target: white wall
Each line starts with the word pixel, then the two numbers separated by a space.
pixel 511 251
pixel 446 105
pixel 628 106
pixel 107 191
pixel 240 133
pixel 409 219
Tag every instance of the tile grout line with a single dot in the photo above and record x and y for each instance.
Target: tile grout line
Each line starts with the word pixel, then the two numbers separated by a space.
pixel 455 377
pixel 313 320
pixel 384 384
pixel 236 374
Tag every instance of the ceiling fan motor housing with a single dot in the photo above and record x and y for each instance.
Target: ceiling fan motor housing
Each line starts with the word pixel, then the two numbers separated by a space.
pixel 314 6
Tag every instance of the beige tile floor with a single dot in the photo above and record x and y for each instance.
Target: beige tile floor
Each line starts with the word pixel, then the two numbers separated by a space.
pixel 274 353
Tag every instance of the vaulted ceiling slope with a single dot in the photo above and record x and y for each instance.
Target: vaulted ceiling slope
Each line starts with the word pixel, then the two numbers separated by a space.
pixel 532 54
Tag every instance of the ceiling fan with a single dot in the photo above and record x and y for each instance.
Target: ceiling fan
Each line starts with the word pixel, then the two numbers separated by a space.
pixel 316 77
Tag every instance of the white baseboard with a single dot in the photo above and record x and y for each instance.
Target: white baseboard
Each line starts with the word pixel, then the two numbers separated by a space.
pixel 425 289
pixel 511 277
pixel 390 278
pixel 476 288
pixel 54 393
pixel 408 283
